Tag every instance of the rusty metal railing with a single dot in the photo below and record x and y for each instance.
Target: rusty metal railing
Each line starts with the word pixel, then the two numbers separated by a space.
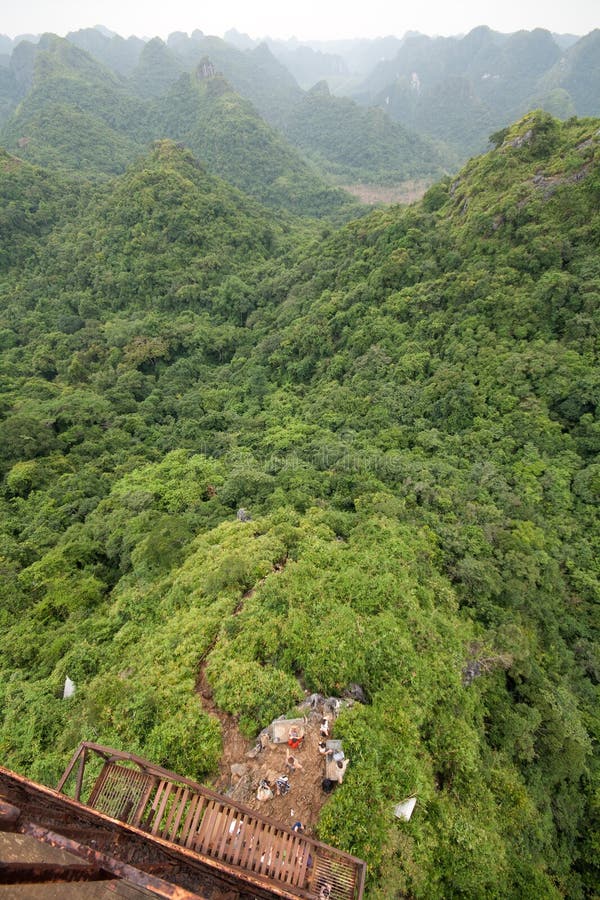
pixel 175 809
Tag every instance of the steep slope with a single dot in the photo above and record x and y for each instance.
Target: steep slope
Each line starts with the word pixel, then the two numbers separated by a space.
pixel 341 138
pixel 309 66
pixel 452 355
pixel 226 132
pixel 356 143
pixel 116 53
pixel 163 235
pixel 15 79
pixel 577 74
pixel 448 111
pixel 76 114
pixel 255 73
pixel 408 410
pixel 362 54
pixel 156 70
pixel 32 203
pixel 8 93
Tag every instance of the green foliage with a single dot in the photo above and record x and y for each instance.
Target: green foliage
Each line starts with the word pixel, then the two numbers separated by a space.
pixel 459 89
pixel 188 742
pixel 358 144
pixel 81 118
pixel 32 203
pixel 77 115
pixel 226 132
pixel 405 407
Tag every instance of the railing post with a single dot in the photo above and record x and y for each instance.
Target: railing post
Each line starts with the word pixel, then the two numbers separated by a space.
pixel 69 769
pixel 80 772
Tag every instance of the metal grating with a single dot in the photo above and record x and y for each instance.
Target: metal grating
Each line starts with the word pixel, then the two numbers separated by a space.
pixel 337 874
pixel 119 791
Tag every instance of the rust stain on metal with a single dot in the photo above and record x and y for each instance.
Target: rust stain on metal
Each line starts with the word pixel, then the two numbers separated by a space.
pixel 113 867
pixel 9 815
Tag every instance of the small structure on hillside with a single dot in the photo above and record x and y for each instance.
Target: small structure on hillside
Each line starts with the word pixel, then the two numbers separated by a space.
pixel 404 810
pixel 280 729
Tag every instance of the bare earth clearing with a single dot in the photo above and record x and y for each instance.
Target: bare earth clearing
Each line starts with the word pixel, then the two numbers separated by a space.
pixel 405 192
pixel 305 798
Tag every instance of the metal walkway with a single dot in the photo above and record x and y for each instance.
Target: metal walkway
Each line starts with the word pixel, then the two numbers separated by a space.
pixel 232 836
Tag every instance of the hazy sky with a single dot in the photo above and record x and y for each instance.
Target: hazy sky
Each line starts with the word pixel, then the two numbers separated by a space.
pixel 303 18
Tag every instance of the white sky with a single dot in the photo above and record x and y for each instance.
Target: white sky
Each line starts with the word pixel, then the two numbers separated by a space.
pixel 316 19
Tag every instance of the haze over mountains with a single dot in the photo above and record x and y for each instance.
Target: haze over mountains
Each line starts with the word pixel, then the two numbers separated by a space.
pixel 196 317
pixel 258 128
pixel 421 104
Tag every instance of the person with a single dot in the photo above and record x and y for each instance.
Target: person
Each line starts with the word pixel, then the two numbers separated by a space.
pixel 324 728
pixel 282 785
pixel 264 791
pixel 340 769
pixel 295 738
pixel 327 785
pixel 323 748
pixel 325 892
pixel 293 763
pixel 298 827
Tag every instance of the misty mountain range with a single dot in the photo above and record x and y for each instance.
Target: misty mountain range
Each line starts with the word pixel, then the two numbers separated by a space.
pixel 374 111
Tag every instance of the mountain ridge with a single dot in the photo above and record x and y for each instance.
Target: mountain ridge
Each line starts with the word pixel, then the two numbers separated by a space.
pixel 503 75
pixel 150 71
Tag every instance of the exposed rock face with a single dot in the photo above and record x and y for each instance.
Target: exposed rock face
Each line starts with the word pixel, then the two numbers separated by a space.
pixel 205 69
pixel 520 139
pixel 356 692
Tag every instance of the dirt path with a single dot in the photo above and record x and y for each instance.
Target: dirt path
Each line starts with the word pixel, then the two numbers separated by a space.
pixel 305 798
pixel 235 745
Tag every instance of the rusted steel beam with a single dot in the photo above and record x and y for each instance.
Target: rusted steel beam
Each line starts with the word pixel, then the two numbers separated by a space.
pixel 9 816
pixel 113 866
pixel 69 769
pixel 56 812
pixel 36 873
pixel 80 771
pixel 362 877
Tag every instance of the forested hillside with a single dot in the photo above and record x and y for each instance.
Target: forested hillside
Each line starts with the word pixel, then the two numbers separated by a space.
pixel 354 143
pixel 81 118
pixel 458 89
pixel 93 103
pixel 73 113
pixel 225 131
pixel 407 409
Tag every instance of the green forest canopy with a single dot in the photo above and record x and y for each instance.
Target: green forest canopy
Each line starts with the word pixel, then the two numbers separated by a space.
pixel 408 408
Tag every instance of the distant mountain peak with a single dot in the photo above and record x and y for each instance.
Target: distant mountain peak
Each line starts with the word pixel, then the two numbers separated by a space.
pixel 321 87
pixel 205 69
pixel 105 31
